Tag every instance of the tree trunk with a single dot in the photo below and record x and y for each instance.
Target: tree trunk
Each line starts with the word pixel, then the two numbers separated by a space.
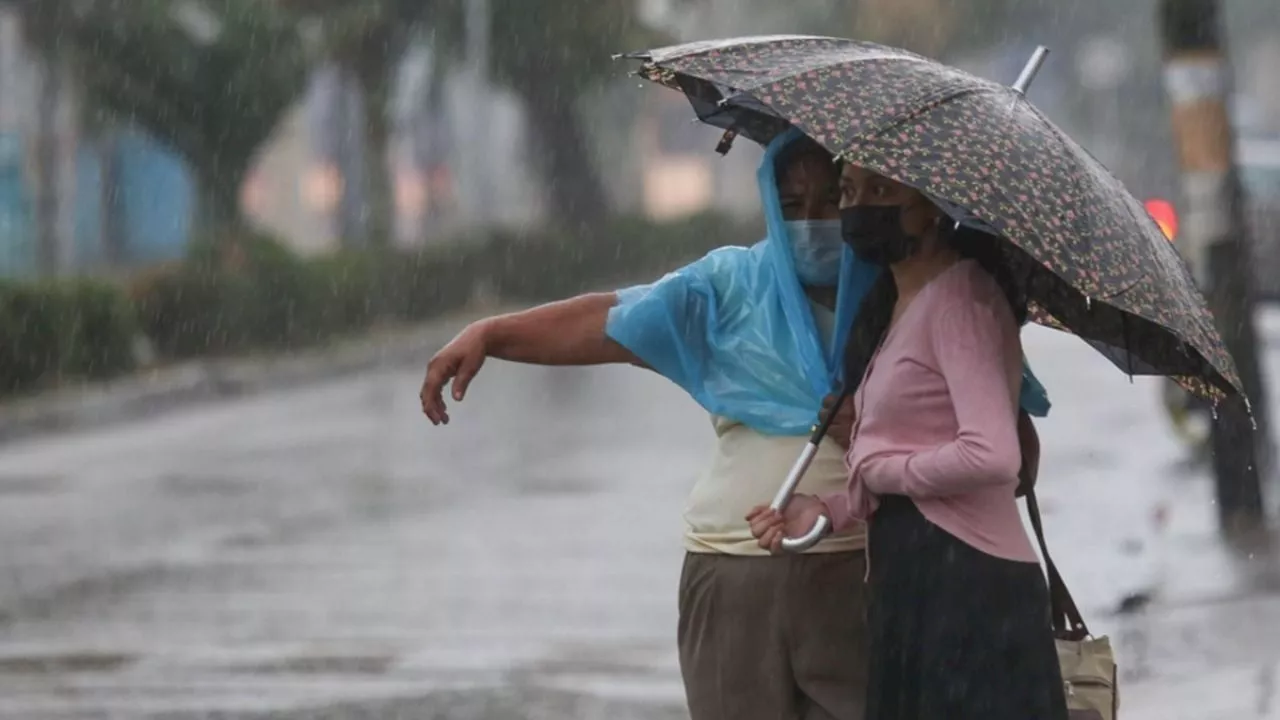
pixel 432 143
pixel 347 146
pixel 45 166
pixel 564 159
pixel 110 204
pixel 219 218
pixel 379 194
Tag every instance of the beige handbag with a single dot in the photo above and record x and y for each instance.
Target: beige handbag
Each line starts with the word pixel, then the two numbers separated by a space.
pixel 1088 664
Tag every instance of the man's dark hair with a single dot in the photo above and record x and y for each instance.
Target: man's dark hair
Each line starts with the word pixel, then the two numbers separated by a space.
pixel 797 150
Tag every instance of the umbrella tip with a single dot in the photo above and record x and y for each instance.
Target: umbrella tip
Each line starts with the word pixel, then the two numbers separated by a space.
pixel 634 55
pixel 1030 69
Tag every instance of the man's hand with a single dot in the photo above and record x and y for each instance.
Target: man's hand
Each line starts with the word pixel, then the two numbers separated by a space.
pixel 769 526
pixel 459 361
pixel 842 426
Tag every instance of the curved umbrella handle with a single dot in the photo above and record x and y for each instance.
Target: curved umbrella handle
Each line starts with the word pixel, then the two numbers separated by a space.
pixel 809 539
pixel 820 528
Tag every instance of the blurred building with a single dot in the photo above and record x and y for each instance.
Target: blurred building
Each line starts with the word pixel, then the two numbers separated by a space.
pixel 291 194
pixel 13 192
pixel 459 157
pixel 71 199
pixel 307 186
pixel 1259 81
pixel 117 197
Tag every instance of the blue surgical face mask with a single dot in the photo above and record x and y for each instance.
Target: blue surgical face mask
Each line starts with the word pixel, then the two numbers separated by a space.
pixel 816 246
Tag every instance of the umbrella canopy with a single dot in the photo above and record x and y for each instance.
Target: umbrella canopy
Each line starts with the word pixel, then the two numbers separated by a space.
pixel 1090 256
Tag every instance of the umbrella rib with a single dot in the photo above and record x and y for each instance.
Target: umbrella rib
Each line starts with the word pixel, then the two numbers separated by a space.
pixel 931 105
pixel 1076 182
pixel 919 109
pixel 685 51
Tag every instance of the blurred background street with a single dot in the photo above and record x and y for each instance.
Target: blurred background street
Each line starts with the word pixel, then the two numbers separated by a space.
pixel 321 548
pixel 194 523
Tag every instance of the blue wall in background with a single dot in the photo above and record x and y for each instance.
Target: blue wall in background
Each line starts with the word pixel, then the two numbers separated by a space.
pixel 15 250
pixel 156 196
pixel 88 209
pixel 159 200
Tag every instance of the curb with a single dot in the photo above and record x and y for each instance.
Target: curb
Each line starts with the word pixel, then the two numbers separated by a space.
pixel 161 390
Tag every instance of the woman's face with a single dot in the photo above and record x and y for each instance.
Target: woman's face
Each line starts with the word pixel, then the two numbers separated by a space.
pixel 859 186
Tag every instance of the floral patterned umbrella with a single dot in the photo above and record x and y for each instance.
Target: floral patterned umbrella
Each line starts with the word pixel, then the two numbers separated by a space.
pixel 1093 261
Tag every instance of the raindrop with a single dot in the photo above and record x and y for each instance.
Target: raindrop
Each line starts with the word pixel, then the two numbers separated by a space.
pixel 1088 302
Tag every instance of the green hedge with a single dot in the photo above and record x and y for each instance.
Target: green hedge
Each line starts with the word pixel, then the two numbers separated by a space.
pixel 64 329
pixel 256 295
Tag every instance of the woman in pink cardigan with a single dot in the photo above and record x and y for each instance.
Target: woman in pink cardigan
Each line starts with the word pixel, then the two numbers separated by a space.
pixel 959 609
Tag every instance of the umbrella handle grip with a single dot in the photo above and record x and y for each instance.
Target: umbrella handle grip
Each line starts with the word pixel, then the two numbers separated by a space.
pixel 823 525
pixel 809 539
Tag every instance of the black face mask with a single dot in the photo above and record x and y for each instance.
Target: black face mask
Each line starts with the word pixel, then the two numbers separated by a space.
pixel 875 233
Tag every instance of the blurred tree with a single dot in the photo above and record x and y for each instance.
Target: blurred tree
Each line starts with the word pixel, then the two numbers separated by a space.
pixel 102 133
pixel 937 27
pixel 49 149
pixel 210 79
pixel 368 39
pixel 550 54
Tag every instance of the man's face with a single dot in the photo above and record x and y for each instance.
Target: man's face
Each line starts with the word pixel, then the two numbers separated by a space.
pixel 808 190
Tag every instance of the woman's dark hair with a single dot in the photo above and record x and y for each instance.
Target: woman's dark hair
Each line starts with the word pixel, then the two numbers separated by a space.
pixel 876 311
pixel 874 315
pixel 989 252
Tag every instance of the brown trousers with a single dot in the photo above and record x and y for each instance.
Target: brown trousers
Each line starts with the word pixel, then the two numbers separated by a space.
pixel 774 638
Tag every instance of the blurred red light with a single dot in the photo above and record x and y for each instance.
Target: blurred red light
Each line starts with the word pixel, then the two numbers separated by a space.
pixel 1165 215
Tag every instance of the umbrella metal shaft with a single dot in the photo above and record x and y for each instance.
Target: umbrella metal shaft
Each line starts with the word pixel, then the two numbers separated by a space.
pixel 1030 69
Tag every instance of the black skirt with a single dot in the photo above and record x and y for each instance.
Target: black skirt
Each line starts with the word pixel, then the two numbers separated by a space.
pixel 956 634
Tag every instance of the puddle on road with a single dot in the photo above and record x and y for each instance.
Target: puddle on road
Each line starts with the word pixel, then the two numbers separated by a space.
pixel 62 663
pixel 482 703
pixel 554 485
pixel 323 665
pixel 22 485
pixel 195 486
pixel 80 595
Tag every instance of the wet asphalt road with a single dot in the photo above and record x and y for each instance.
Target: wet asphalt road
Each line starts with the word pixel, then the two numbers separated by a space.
pixel 327 544
pixel 325 552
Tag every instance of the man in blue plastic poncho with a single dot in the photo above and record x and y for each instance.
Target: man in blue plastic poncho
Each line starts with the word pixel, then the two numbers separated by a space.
pixel 755 336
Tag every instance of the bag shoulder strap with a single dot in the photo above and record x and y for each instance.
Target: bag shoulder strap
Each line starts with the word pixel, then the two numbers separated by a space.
pixel 1067 621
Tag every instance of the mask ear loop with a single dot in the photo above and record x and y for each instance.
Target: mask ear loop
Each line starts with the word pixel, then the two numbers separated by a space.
pixel 945 233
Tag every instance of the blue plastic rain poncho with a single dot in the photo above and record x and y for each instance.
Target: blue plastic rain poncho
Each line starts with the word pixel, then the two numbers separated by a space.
pixel 735 330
